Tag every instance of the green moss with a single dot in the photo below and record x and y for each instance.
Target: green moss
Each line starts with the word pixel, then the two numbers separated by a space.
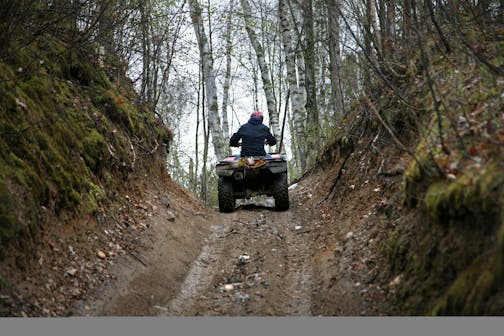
pixel 93 150
pixel 469 198
pixel 391 246
pixel 8 222
pixel 38 89
pixel 418 175
pixel 78 66
pixel 469 293
pixel 57 117
pixel 95 194
pixel 108 102
pixel 454 301
pixel 458 267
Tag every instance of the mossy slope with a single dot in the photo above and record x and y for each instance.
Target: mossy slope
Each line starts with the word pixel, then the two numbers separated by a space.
pixel 66 134
pixel 451 255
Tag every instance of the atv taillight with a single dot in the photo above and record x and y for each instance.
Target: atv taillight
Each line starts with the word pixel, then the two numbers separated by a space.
pixel 229 159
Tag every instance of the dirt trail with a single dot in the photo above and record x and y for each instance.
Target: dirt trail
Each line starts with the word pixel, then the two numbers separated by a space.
pixel 255 261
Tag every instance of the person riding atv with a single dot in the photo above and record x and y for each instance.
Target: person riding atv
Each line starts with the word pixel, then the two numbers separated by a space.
pixel 253 172
pixel 253 135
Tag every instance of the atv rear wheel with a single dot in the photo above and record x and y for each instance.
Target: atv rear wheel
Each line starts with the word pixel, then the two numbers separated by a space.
pixel 226 199
pixel 281 192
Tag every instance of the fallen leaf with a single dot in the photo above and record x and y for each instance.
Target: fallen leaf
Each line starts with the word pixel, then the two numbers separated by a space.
pixel 52 244
pixel 397 280
pixel 76 292
pixel 473 150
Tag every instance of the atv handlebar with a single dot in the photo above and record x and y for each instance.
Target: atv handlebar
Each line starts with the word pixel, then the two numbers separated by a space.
pixel 240 143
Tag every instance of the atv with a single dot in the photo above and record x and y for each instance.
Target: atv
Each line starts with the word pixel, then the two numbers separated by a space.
pixel 244 177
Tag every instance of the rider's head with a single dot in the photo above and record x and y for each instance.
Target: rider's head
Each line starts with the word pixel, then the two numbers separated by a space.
pixel 257 114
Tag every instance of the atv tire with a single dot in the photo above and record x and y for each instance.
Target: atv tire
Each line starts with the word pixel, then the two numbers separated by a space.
pixel 281 192
pixel 226 199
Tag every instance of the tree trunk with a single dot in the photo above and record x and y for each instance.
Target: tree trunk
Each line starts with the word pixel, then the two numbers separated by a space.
pixel 407 20
pixel 391 17
pixel 376 32
pixel 335 57
pixel 214 124
pixel 367 45
pixel 312 114
pixel 265 76
pixel 301 123
pixel 105 35
pixel 297 92
pixel 146 74
pixel 200 104
pixel 227 80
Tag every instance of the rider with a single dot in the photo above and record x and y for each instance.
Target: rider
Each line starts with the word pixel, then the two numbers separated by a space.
pixel 253 135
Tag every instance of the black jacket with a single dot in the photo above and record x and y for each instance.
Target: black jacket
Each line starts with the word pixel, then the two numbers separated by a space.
pixel 253 134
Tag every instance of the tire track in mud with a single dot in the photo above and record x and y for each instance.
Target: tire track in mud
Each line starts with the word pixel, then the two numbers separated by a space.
pixel 199 275
pixel 276 281
pixel 300 277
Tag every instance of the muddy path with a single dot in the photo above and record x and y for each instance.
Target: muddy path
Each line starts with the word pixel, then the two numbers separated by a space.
pixel 253 262
pixel 256 262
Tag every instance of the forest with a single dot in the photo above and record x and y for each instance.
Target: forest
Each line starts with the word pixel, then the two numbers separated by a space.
pixel 389 112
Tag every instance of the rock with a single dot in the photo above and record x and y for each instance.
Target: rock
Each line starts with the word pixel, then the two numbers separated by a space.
pixel 160 307
pixel 228 287
pixel 170 216
pixel 76 292
pixel 298 227
pixel 243 259
pixel 242 297
pixel 71 271
pixel 349 235
pixel 101 254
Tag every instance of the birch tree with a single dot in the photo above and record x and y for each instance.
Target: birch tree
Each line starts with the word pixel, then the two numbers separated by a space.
pixel 227 79
pixel 265 74
pixel 312 113
pixel 296 91
pixel 333 31
pixel 214 124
